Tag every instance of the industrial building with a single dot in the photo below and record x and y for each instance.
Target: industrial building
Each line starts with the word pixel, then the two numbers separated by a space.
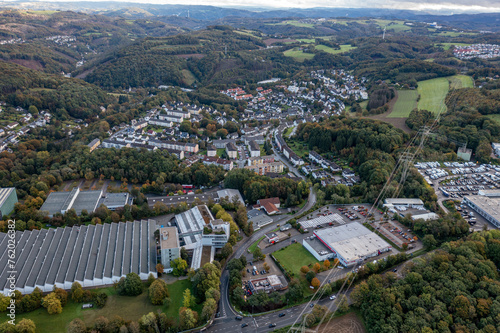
pixel 486 205
pixel 8 198
pixel 93 255
pixel 350 243
pixel 391 203
pixel 259 218
pixel 192 197
pixel 169 247
pixel 196 229
pixel 61 202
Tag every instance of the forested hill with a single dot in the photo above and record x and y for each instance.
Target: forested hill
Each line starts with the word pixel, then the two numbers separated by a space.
pixel 60 95
pixel 181 60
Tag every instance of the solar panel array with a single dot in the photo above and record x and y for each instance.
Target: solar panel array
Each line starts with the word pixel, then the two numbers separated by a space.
pixel 92 255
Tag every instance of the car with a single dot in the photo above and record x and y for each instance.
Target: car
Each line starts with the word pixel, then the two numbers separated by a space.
pixel 248 270
pixel 332 297
pixel 395 270
pixel 312 305
pixel 272 325
pixel 238 318
pixel 244 325
pixel 282 314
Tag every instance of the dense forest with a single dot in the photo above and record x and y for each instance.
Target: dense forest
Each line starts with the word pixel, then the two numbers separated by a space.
pixel 62 96
pixel 371 148
pixel 453 289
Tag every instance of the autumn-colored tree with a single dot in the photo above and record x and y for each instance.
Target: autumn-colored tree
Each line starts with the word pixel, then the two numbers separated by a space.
pixel 326 263
pixel 304 269
pixel 316 267
pixel 315 283
pixel 52 303
pixel 158 291
pixel 266 266
pixel 188 318
pixel 77 326
pixel 159 268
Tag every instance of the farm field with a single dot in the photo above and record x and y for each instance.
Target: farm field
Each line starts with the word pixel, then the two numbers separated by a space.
pixel 296 24
pixel 461 81
pixel 348 323
pixel 406 102
pixel 343 48
pixel 447 46
pixel 432 94
pixel 298 54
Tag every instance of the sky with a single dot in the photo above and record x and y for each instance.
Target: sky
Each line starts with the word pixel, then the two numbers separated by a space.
pixel 456 6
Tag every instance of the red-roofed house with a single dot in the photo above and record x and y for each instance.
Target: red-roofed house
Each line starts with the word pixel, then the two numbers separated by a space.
pixel 270 205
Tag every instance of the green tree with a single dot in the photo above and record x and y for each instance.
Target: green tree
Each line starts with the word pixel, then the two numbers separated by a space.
pixel 130 285
pixel 209 308
pixel 158 291
pixel 188 300
pixel 179 266
pixel 188 318
pixel 25 326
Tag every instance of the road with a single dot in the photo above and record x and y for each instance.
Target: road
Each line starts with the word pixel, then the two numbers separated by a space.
pixel 225 308
pixel 261 323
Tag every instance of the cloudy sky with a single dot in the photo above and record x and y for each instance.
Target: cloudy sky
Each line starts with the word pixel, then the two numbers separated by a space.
pixel 424 5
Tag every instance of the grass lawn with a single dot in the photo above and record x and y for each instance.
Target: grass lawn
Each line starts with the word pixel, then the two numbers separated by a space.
pixel 298 54
pixel 432 94
pixel 298 148
pixel 296 24
pixel 494 117
pixel 188 76
pixel 447 46
pixel 343 48
pixel 129 308
pixel 406 102
pixel 288 131
pixel 461 81
pixel 220 151
pixel 306 40
pixel 253 247
pixel 295 256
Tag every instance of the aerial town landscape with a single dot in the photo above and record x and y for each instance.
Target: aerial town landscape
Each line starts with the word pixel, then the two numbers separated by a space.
pixel 192 168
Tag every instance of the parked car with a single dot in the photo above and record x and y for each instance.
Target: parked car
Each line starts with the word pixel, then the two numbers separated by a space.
pixel 244 325
pixel 312 305
pixel 281 314
pixel 333 297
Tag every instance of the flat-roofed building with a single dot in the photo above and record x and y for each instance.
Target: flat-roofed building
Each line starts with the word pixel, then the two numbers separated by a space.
pixel 407 202
pixel 350 243
pixel 94 256
pixel 169 247
pixel 116 200
pixel 486 206
pixel 61 202
pixel 8 198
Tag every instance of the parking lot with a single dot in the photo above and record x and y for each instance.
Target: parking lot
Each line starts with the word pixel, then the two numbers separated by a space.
pixel 397 233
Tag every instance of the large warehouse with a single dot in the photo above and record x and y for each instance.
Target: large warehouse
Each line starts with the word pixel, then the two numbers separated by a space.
pixel 94 255
pixel 486 204
pixel 349 243
pixel 8 198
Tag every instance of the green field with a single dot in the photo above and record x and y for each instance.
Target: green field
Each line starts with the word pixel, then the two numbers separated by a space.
pixel 461 81
pixel 298 148
pixel 456 34
pixel 298 54
pixel 494 117
pixel 432 94
pixel 406 102
pixel 129 308
pixel 288 131
pixel 343 48
pixel 295 256
pixel 296 24
pixel 188 76
pixel 447 46
pixel 307 40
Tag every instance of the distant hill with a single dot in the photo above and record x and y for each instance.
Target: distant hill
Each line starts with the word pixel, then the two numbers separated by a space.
pixel 488 21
